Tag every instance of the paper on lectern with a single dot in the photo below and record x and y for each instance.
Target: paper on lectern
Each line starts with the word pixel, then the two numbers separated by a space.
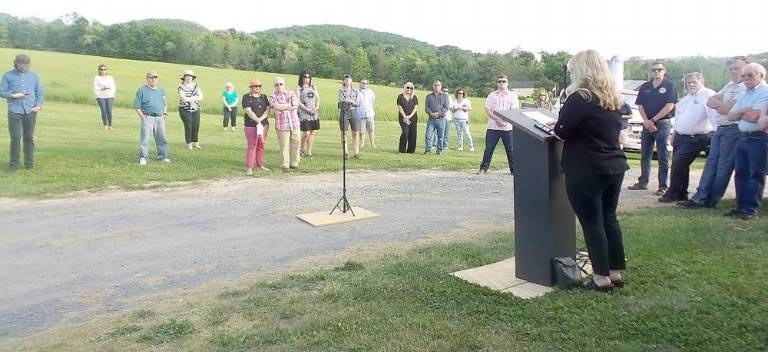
pixel 538 117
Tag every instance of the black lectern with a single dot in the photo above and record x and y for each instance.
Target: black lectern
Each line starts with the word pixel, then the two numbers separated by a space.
pixel 544 219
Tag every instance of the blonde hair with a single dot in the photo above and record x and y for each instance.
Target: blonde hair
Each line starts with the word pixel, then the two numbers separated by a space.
pixel 592 79
pixel 408 84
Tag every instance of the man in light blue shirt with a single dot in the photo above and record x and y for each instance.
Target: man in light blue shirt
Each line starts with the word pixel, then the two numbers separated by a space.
pixel 22 88
pixel 751 149
pixel 151 106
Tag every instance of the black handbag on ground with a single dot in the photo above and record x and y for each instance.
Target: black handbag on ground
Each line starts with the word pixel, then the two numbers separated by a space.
pixel 567 272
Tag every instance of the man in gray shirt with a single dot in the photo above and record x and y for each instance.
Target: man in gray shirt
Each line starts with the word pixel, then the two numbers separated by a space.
pixel 436 107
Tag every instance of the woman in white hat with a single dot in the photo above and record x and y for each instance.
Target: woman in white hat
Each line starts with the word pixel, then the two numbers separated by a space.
pixel 190 96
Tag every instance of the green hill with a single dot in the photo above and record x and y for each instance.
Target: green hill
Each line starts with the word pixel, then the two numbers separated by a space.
pixel 69 78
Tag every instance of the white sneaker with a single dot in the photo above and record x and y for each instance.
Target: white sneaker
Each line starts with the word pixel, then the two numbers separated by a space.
pixel 249 172
pixel 197 145
pixel 142 161
pixel 189 146
pixel 460 148
pixel 167 161
pixel 471 149
pixel 226 129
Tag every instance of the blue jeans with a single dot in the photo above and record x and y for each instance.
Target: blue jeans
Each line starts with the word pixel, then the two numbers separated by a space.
pixel 462 128
pixel 750 171
pixel 647 140
pixel 22 126
pixel 719 166
pixel 153 126
pixel 434 126
pixel 445 136
pixel 105 105
pixel 491 140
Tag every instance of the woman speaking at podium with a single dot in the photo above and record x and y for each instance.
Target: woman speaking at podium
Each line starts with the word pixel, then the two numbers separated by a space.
pixel 594 164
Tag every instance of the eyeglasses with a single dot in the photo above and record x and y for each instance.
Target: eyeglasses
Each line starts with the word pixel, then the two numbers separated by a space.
pixel 278 84
pixel 657 69
pixel 256 86
pixel 501 81
pixel 748 75
pixel 103 69
pixel 155 77
pixel 307 76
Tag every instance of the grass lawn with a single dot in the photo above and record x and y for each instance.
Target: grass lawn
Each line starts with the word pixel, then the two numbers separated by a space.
pixel 695 284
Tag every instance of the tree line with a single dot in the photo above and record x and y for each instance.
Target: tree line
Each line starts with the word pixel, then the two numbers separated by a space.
pixel 327 51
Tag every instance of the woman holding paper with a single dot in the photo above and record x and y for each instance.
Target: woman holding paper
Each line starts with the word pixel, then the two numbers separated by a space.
pixel 594 164
pixel 256 107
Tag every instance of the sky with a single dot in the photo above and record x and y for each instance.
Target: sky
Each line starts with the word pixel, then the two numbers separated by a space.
pixel 643 28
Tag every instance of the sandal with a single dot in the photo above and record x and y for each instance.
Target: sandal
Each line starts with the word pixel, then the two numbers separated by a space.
pixel 592 286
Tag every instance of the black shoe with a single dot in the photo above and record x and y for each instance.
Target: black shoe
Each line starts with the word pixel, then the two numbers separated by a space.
pixel 638 186
pixel 733 213
pixel 690 204
pixel 357 156
pixel 427 152
pixel 346 156
pixel 668 198
pixel 745 216
pixel 618 283
pixel 591 285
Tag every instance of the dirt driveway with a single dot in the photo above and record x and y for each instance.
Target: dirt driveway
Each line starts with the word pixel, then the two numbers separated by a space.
pixel 73 258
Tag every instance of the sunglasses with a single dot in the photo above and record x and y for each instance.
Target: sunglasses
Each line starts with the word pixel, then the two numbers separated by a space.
pixel 278 84
pixel 408 87
pixel 501 81
pixel 307 76
pixel 255 86
pixel 102 69
pixel 363 82
pixel 155 77
pixel 657 69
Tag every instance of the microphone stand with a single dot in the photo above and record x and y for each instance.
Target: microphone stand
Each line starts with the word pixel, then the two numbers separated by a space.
pixel 343 200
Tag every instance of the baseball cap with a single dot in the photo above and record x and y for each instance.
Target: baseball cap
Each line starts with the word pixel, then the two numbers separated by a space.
pixel 152 74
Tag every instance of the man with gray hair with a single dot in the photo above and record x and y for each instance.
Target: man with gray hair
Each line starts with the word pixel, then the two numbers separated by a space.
pixel 436 107
pixel 719 166
pixel 692 130
pixel 751 149
pixel 22 88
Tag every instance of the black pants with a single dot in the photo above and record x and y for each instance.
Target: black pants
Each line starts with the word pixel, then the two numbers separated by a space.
pixel 594 199
pixel 191 121
pixel 686 149
pixel 230 116
pixel 22 126
pixel 408 136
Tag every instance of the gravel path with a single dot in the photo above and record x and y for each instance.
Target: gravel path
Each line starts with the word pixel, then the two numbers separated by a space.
pixel 74 258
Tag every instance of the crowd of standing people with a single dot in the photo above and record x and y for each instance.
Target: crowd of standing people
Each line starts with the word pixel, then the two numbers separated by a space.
pixel 731 124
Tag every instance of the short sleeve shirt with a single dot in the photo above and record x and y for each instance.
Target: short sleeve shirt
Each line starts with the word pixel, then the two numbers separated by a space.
pixel 755 98
pixel 499 101
pixel 258 105
pixel 653 98
pixel 151 101
pixel 408 105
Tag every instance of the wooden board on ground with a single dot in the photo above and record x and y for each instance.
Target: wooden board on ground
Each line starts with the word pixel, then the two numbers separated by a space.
pixel 322 218
pixel 500 277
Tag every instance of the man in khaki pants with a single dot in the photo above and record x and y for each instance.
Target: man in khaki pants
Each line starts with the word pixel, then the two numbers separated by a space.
pixel 284 103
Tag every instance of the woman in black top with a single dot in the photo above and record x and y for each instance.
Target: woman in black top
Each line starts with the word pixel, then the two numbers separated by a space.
pixel 594 164
pixel 407 104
